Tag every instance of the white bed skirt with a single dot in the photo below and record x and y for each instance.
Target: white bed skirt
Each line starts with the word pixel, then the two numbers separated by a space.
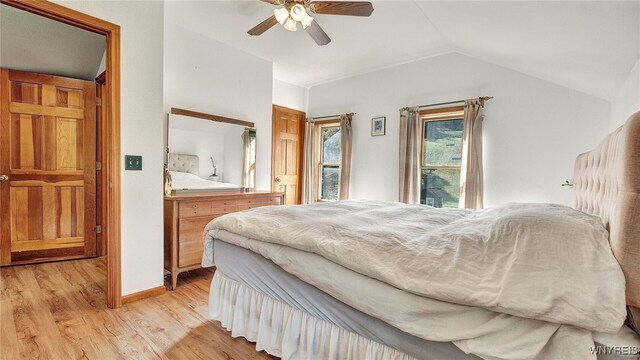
pixel 284 331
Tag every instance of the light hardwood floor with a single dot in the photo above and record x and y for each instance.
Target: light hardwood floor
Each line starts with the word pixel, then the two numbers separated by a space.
pixel 58 311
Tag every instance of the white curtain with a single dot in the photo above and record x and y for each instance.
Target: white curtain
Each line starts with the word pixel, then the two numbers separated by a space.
pixel 471 175
pixel 248 160
pixel 345 155
pixel 309 165
pixel 410 128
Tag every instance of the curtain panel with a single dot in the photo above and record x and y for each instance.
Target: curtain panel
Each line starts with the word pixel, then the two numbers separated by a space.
pixel 247 166
pixel 471 173
pixel 309 164
pixel 410 128
pixel 345 155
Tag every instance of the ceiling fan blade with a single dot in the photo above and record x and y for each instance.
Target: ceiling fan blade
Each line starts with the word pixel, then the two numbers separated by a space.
pixel 318 35
pixel 263 26
pixel 353 8
pixel 274 2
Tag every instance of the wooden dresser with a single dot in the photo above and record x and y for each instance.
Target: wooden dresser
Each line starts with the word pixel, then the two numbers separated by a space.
pixel 186 215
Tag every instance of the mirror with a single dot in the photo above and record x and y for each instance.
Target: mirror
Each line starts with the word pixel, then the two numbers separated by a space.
pixel 208 155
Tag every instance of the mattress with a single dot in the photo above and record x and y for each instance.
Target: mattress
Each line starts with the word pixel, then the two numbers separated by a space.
pixel 265 277
pixel 262 275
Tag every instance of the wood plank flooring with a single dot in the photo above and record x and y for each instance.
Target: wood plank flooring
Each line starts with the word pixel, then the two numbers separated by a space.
pixel 58 311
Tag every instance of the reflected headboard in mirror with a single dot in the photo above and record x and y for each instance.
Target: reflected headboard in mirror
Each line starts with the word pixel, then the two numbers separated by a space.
pixel 220 151
pixel 183 163
pixel 607 184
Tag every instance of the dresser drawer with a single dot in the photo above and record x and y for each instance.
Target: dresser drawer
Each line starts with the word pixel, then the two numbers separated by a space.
pixel 224 207
pixel 258 202
pixel 193 209
pixel 190 248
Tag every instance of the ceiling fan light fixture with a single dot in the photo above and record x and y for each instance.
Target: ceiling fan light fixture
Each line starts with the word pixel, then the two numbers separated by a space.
pixel 298 12
pixel 291 25
pixel 306 21
pixel 281 15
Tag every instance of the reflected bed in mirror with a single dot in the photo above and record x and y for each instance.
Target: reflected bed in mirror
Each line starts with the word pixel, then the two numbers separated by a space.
pixel 209 155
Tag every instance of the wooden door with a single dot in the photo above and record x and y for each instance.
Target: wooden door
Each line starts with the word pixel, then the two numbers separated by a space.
pixel 47 155
pixel 287 150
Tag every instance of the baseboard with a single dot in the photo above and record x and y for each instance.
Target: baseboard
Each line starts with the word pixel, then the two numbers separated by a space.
pixel 144 294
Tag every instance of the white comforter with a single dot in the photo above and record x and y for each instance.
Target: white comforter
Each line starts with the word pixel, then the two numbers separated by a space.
pixel 534 261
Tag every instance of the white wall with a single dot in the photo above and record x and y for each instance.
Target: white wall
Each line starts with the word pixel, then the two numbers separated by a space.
pixel 289 95
pixel 627 99
pixel 532 132
pixel 233 155
pixel 203 144
pixel 141 134
pixel 205 75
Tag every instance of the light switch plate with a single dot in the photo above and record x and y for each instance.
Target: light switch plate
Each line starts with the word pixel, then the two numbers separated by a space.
pixel 133 162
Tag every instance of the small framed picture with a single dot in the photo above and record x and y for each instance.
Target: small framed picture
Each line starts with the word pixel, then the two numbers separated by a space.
pixel 378 126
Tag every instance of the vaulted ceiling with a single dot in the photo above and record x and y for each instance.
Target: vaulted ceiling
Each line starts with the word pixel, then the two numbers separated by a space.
pixel 584 45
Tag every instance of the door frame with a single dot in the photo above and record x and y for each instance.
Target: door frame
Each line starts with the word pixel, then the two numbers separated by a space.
pixel 110 131
pixel 300 147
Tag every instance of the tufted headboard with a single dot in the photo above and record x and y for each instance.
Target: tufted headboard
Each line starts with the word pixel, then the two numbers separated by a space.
pixel 183 163
pixel 607 184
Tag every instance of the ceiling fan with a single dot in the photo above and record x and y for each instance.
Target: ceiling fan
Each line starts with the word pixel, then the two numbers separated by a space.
pixel 294 11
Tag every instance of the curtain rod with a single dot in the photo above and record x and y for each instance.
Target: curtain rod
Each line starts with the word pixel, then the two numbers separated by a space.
pixel 331 116
pixel 482 99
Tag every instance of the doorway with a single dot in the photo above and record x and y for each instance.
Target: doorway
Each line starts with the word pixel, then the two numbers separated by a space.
pixel 287 152
pixel 108 198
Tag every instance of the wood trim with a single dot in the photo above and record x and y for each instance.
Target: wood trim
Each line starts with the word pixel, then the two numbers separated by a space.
pixel 110 130
pixel 5 213
pixel 144 294
pixel 454 112
pixel 222 119
pixel 111 162
pixel 102 78
pixel 328 121
pixel 426 167
pixel 221 195
pixel 101 150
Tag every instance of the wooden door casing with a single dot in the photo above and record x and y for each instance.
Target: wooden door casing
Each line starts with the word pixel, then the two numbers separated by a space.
pixel 47 149
pixel 101 176
pixel 287 153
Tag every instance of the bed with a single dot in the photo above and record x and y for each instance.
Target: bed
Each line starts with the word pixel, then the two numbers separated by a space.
pixel 183 169
pixel 467 294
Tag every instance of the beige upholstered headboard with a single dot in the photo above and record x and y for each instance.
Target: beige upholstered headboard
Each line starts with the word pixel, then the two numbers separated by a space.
pixel 607 184
pixel 183 163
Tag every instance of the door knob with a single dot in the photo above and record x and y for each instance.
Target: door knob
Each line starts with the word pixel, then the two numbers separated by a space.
pixel 276 179
pixel 4 178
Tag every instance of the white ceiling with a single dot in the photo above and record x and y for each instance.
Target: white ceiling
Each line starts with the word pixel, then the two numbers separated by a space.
pixel 33 43
pixel 585 45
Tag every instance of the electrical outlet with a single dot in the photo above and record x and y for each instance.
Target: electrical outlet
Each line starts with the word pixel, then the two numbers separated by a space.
pixel 133 162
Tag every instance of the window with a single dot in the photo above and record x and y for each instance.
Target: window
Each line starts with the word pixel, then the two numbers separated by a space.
pixel 329 162
pixel 441 157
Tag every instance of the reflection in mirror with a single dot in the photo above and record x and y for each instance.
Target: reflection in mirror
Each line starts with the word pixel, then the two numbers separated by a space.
pixel 210 155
